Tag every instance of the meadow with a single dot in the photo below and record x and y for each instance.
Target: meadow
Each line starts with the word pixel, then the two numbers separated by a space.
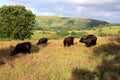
pixel 56 62
pixel 98 31
pixel 53 61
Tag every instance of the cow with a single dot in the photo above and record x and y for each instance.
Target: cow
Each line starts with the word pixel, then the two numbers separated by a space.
pixel 42 41
pixel 89 40
pixel 21 48
pixel 68 41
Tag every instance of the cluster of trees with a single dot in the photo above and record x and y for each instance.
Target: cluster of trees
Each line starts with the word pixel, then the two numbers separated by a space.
pixel 16 22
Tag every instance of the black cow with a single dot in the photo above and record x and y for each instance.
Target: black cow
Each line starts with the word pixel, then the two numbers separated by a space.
pixel 42 41
pixel 89 40
pixel 68 41
pixel 21 48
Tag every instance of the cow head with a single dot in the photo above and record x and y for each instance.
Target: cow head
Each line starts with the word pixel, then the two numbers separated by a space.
pixel 81 40
pixel 12 53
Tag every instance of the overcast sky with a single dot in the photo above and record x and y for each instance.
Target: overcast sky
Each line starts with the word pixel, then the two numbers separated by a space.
pixel 106 10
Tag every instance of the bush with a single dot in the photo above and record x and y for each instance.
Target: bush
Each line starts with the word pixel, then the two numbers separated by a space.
pixel 62 34
pixel 78 34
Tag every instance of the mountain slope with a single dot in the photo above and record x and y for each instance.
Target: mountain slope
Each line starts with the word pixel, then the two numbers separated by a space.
pixel 65 23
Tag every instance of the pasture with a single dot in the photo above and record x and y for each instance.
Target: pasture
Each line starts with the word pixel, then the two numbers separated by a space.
pixel 56 62
pixel 113 30
pixel 98 31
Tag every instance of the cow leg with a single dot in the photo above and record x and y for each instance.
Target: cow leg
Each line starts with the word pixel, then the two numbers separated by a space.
pixel 72 43
pixel 65 43
pixel 94 42
pixel 68 44
pixel 88 45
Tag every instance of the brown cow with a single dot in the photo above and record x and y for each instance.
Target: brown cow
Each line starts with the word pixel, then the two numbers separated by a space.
pixel 68 41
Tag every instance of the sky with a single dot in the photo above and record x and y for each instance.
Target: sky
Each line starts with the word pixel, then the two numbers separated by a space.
pixel 105 10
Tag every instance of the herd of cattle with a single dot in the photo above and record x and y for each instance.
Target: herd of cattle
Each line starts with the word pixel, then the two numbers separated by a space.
pixel 89 40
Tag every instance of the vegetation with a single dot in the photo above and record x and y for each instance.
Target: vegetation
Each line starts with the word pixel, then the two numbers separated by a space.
pixel 60 34
pixel 55 62
pixel 65 23
pixel 16 22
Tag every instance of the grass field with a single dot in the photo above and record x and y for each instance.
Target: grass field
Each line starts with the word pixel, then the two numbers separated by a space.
pixel 56 62
pixel 40 34
pixel 108 31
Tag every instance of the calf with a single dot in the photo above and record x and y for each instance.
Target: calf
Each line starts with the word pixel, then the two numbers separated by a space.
pixel 21 48
pixel 89 40
pixel 68 41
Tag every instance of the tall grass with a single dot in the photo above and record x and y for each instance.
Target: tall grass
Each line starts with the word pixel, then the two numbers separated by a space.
pixel 56 62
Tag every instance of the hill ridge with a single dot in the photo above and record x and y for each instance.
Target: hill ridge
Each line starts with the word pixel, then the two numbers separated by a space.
pixel 66 23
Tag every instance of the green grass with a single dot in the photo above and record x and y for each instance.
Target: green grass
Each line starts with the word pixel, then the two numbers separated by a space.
pixel 108 30
pixel 112 30
pixel 39 34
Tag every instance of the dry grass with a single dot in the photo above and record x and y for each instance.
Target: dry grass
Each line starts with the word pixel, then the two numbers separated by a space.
pixel 56 62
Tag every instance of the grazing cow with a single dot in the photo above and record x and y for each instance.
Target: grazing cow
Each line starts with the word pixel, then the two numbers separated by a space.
pixel 68 41
pixel 42 41
pixel 21 48
pixel 89 40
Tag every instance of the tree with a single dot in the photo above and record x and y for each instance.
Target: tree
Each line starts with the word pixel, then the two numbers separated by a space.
pixel 16 22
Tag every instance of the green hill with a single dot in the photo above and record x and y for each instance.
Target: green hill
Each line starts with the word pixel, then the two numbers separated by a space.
pixel 65 23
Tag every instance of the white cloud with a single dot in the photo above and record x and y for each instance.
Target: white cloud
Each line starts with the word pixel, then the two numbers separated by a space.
pixel 93 1
pixel 118 7
pixel 47 13
pixel 108 14
pixel 80 9
pixel 96 9
pixel 59 8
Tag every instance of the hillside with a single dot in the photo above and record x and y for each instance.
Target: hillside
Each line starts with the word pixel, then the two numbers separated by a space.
pixel 55 62
pixel 65 23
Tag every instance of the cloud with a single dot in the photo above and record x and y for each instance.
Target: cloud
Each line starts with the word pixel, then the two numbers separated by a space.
pixel 47 13
pixel 93 1
pixel 107 10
